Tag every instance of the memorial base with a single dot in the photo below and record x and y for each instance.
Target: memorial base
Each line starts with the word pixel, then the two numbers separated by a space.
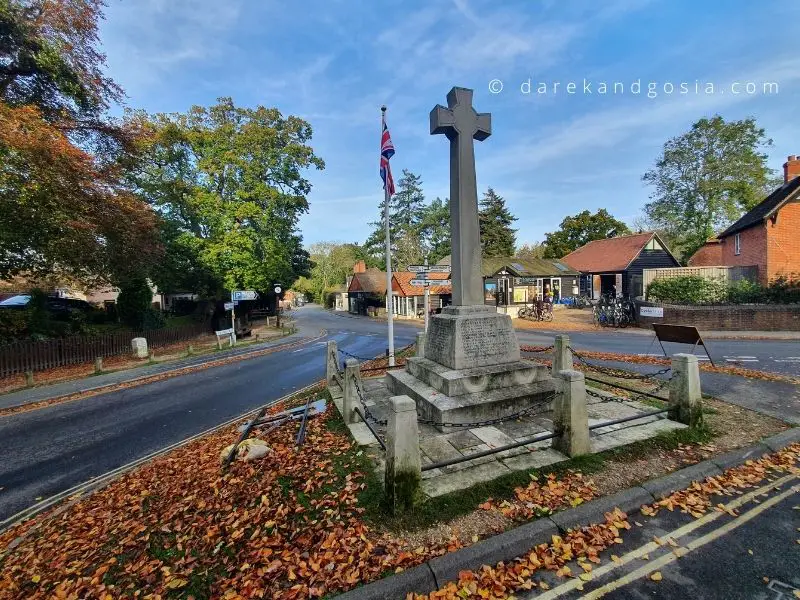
pixel 471 370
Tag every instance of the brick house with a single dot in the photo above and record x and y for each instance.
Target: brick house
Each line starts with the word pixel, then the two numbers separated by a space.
pixel 409 300
pixel 366 290
pixel 766 236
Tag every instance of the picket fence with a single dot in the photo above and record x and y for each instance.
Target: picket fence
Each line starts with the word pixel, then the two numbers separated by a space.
pixel 19 357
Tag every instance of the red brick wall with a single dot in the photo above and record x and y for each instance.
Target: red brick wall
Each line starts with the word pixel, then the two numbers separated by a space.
pixel 730 317
pixel 783 242
pixel 709 255
pixel 753 250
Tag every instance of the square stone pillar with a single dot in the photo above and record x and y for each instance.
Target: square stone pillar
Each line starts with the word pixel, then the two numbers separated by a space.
pixel 562 354
pixel 570 419
pixel 421 344
pixel 685 397
pixel 403 464
pixel 331 362
pixel 350 398
pixel 139 347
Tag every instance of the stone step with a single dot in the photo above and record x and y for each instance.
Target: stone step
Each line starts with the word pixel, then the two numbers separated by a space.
pixel 468 408
pixel 455 382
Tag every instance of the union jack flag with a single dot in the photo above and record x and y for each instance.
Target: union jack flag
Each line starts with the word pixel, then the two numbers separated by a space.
pixel 387 151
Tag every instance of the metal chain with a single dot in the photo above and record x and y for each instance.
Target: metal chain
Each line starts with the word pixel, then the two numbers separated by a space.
pixel 373 420
pixel 636 398
pixel 619 374
pixel 541 350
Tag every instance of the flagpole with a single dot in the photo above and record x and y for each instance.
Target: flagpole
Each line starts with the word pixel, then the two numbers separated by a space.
pixel 389 304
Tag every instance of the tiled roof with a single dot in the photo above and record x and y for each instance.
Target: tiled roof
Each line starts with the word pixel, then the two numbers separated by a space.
pixel 765 208
pixel 371 281
pixel 403 280
pixel 611 254
pixel 521 267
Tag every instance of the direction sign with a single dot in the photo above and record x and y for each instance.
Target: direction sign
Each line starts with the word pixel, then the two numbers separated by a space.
pixel 244 295
pixel 429 268
pixel 429 282
pixel 228 305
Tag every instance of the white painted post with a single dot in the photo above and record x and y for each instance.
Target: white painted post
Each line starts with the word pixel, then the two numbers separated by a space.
pixel 98 364
pixel 139 347
pixel 403 463
pixel 685 396
pixel 331 362
pixel 570 419
pixel 350 398
pixel 421 344
pixel 562 354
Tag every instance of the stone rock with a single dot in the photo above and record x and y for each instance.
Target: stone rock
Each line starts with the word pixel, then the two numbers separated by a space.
pixel 139 347
pixel 250 449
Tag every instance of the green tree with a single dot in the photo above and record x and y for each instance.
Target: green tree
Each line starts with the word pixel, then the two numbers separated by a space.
pixel 134 302
pixel 534 250
pixel 497 236
pixel 706 178
pixel 331 264
pixel 435 230
pixel 581 229
pixel 406 210
pixel 231 182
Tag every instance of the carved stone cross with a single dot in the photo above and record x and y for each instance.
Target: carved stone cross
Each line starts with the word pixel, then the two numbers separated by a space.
pixel 461 124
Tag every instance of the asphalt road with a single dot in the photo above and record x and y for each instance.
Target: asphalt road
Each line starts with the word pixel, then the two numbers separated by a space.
pixel 754 555
pixel 51 449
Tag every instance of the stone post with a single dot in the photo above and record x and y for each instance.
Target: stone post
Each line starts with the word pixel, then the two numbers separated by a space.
pixel 350 398
pixel 28 378
pixel 139 347
pixel 570 419
pixel 562 354
pixel 685 397
pixel 403 464
pixel 98 364
pixel 331 362
pixel 421 344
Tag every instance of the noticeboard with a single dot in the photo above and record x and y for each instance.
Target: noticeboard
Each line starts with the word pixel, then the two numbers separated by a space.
pixel 679 334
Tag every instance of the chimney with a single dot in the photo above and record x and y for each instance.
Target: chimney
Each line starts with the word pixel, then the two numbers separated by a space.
pixel 791 168
pixel 360 267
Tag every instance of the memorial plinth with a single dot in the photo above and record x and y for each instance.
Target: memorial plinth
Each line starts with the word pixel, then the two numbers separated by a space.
pixel 471 370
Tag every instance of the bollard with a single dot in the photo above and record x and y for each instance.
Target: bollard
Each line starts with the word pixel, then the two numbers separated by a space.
pixel 98 365
pixel 421 344
pixel 331 362
pixel 350 398
pixel 28 378
pixel 685 397
pixel 403 464
pixel 256 337
pixel 219 344
pixel 570 419
pixel 151 357
pixel 562 354
pixel 189 350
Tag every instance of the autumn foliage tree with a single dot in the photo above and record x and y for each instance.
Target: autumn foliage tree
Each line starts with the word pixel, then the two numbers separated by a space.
pixel 63 204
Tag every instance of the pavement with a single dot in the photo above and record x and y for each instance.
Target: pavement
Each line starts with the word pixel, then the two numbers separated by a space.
pixel 717 556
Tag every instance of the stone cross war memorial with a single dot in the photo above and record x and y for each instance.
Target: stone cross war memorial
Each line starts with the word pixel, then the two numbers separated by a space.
pixel 471 368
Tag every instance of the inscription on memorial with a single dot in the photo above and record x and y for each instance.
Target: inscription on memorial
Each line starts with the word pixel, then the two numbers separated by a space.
pixel 483 337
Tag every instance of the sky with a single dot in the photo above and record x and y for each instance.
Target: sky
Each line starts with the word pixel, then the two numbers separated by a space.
pixel 554 151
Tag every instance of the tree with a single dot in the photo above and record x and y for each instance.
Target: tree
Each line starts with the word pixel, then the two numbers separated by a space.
pixel 528 251
pixel 706 178
pixel 134 305
pixel 230 181
pixel 408 251
pixel 406 209
pixel 332 263
pixel 581 229
pixel 63 204
pixel 497 236
pixel 435 230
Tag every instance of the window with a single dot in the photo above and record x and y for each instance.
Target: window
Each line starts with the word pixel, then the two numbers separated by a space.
pixel 737 244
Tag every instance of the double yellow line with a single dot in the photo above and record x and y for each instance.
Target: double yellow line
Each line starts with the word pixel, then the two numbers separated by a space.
pixel 678 533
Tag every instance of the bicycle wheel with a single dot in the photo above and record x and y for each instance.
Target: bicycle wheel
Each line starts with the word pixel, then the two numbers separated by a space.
pixel 547 316
pixel 522 313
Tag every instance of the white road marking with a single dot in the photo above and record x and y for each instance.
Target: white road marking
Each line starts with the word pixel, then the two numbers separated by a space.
pixel 741 360
pixel 740 356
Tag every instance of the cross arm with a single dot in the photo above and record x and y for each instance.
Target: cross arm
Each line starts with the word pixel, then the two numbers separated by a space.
pixel 442 120
pixel 483 126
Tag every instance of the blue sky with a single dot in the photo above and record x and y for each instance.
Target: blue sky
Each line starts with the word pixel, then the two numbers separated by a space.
pixel 335 62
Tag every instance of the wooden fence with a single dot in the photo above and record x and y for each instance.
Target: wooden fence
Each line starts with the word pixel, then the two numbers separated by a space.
pixel 46 354
pixel 726 274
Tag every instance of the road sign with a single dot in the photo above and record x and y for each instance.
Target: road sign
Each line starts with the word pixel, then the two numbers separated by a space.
pixel 244 295
pixel 277 289
pixel 429 282
pixel 429 268
pixel 228 305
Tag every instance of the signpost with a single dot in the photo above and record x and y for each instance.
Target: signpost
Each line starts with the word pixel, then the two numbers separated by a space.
pixel 277 291
pixel 423 282
pixel 236 297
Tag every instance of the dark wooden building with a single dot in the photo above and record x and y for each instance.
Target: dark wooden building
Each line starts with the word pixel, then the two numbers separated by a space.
pixel 616 265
